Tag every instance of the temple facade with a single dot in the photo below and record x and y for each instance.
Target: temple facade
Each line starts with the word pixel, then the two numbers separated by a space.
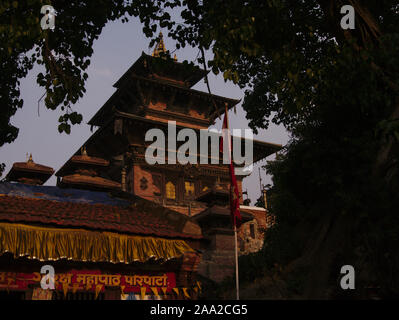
pixel 116 226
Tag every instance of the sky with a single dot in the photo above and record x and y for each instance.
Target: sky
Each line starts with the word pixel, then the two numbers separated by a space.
pixel 118 47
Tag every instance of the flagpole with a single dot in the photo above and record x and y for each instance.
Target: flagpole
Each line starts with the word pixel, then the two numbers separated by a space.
pixel 236 253
pixel 235 224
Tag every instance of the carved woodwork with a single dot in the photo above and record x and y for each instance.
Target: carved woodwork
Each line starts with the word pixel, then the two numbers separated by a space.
pixel 143 183
pixel 140 91
pixel 118 126
pixel 157 181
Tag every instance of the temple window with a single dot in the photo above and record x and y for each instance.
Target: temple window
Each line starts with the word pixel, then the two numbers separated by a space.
pixel 189 188
pixel 170 191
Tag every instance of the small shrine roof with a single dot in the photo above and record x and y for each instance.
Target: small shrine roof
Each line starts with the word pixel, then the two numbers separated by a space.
pixel 78 160
pixel 89 181
pixel 29 170
pixel 85 159
pixel 33 167
pixel 214 195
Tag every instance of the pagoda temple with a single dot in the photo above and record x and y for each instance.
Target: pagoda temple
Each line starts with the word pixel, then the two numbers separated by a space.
pixel 140 220
pixel 156 89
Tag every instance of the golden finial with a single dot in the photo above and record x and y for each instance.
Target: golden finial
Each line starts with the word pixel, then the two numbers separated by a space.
pixel 160 47
pixel 175 57
pixel 83 151
pixel 30 160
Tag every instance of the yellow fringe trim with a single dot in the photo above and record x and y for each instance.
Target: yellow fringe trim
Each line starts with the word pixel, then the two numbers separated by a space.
pixel 46 244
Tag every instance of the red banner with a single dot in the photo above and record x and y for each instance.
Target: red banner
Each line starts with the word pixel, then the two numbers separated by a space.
pixel 90 280
pixel 234 193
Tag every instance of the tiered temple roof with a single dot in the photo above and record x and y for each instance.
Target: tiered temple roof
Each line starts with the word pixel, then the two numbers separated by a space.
pixel 154 90
pixel 152 75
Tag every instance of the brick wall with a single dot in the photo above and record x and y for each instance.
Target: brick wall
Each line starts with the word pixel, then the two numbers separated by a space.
pixel 251 234
pixel 218 257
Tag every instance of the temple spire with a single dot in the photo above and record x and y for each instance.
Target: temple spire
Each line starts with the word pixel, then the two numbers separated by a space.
pixel 160 47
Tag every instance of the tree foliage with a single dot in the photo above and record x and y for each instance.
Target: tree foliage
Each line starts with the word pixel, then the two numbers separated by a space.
pixel 331 210
pixel 65 51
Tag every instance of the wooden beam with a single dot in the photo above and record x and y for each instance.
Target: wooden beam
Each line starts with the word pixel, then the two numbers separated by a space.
pixel 140 91
pixel 132 96
pixel 172 99
pixel 190 103
pixel 149 96
pixel 124 101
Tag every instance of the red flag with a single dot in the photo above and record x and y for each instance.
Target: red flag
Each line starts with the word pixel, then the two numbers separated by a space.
pixel 234 194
